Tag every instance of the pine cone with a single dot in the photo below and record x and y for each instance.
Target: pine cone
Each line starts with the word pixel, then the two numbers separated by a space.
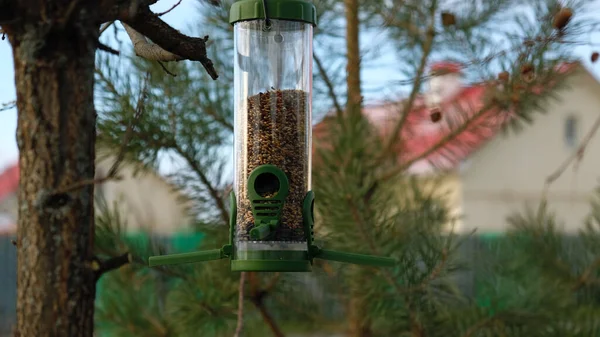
pixel 562 18
pixel 448 19
pixel 527 68
pixel 595 56
pixel 436 115
pixel 504 76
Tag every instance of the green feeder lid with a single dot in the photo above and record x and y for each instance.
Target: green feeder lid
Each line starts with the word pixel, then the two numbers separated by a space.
pixel 293 10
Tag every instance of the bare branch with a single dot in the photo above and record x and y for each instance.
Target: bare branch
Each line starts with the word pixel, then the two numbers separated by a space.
pixel 257 298
pixel 574 158
pixel 105 26
pixel 107 49
pixel 240 313
pixel 170 9
pixel 150 51
pixel 8 105
pixel 329 84
pixel 102 267
pixel 168 38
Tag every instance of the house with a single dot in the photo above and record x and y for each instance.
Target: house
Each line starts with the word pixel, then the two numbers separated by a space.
pixel 144 200
pixel 490 175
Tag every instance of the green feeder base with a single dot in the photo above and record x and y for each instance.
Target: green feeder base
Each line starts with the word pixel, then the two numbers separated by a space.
pixel 271 261
pixel 271 265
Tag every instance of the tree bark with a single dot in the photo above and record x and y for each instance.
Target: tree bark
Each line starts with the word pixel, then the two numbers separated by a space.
pixel 54 46
pixel 353 106
pixel 359 326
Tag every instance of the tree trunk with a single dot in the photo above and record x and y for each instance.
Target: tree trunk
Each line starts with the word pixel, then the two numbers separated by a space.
pixel 359 326
pixel 54 75
pixel 353 49
pixel 359 323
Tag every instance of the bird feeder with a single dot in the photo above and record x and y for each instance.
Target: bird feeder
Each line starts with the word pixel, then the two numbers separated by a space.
pixel 271 223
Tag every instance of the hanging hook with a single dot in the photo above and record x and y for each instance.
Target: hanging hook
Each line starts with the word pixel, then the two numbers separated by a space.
pixel 267 21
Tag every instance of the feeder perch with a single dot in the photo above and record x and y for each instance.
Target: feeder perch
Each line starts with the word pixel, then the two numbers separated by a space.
pixel 271 224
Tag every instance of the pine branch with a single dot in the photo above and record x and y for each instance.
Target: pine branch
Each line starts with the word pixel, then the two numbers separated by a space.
pixel 586 277
pixel 257 297
pixel 212 190
pixel 102 267
pixel 408 106
pixel 170 9
pixel 169 39
pixel 329 84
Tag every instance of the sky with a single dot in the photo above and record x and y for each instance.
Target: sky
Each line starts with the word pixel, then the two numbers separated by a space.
pixel 182 18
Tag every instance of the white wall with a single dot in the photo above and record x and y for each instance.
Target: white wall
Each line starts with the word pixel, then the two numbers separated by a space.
pixel 145 202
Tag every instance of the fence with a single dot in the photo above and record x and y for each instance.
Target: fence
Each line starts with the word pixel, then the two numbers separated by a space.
pixel 8 285
pixel 470 251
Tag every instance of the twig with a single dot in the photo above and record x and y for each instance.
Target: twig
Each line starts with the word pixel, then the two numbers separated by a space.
pixel 166 70
pixel 240 313
pixel 150 51
pixel 8 105
pixel 214 193
pixel 272 283
pixel 102 267
pixel 112 173
pixel 329 84
pixel 108 49
pixel 170 9
pixel 586 276
pixel 472 330
pixel 575 158
pixel 257 298
pixel 105 26
pixel 68 13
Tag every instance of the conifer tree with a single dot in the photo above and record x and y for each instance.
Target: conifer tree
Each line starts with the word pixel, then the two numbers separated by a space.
pixel 366 202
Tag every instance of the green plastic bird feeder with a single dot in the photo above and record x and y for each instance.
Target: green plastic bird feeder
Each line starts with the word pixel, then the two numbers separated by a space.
pixel 271 225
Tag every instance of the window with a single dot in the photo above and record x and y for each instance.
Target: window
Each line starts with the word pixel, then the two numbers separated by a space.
pixel 571 128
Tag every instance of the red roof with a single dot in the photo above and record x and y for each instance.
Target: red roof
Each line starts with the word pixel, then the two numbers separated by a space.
pixel 446 67
pixel 419 133
pixel 9 181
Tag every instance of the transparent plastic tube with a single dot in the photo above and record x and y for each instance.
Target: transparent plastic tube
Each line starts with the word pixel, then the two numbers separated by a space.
pixel 272 93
